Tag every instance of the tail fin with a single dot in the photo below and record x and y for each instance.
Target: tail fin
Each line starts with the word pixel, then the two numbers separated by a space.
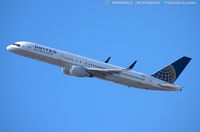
pixel 171 72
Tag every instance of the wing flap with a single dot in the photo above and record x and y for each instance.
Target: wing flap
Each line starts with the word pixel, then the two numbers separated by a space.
pixel 110 71
pixel 106 71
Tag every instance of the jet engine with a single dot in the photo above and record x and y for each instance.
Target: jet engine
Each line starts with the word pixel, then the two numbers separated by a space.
pixel 66 70
pixel 78 71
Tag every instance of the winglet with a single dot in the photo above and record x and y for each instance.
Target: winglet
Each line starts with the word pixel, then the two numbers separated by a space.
pixel 107 60
pixel 132 65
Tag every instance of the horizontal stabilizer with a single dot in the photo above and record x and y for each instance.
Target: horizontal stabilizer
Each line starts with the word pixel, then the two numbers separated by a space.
pixel 171 86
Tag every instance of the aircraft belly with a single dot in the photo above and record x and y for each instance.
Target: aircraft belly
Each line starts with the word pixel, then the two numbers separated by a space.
pixel 120 80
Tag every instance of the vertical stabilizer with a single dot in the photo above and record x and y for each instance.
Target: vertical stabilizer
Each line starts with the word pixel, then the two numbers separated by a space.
pixel 171 72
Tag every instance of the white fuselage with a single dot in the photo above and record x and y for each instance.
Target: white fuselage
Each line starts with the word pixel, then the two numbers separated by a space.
pixel 67 60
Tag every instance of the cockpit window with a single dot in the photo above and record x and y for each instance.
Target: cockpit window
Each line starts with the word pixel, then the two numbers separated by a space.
pixel 18 45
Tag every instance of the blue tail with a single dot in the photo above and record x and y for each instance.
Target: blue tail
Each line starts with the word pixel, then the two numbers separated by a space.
pixel 171 72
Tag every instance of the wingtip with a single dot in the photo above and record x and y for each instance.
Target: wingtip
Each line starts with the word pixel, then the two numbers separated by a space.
pixel 132 65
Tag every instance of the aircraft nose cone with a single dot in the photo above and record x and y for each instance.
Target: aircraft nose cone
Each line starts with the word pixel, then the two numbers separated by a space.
pixel 10 48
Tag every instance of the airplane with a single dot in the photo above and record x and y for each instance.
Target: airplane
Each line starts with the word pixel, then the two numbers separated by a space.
pixel 80 66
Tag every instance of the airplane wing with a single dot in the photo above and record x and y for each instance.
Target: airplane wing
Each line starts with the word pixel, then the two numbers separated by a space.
pixel 106 71
pixel 109 71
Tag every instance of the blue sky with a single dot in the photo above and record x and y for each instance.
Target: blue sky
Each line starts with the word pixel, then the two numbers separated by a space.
pixel 35 96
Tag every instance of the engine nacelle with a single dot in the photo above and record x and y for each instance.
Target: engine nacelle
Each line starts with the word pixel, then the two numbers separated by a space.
pixel 66 70
pixel 78 71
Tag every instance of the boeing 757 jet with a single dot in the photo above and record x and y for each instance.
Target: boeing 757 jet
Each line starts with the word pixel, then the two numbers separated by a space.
pixel 80 66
